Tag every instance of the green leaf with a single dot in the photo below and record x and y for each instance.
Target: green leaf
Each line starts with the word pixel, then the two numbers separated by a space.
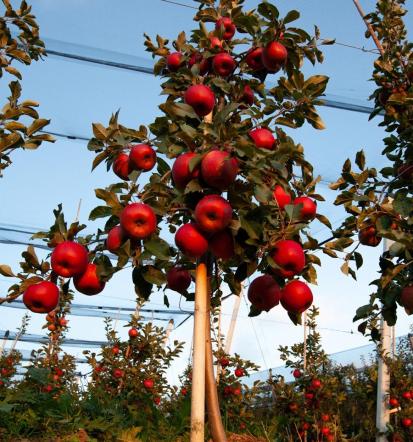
pixel 154 276
pixel 361 160
pixel 142 287
pixel 100 212
pixel 291 16
pixel 158 247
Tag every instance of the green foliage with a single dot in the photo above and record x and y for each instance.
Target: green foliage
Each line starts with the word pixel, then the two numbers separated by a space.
pixel 19 42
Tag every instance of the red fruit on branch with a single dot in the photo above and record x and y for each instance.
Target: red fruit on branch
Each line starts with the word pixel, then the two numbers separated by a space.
pixel 224 362
pixel 228 390
pixel 254 59
pixel 201 98
pixel 51 327
pixel 191 241
pixel 138 221
pixel 227 27
pixel 305 426
pixel 142 157
pixel 221 245
pixel 296 297
pixel 184 391
pixel 393 402
pixel 263 138
pixel 407 422
pixel 316 384
pixel 297 373
pixel 282 197
pixel 219 169
pixel 157 400
pixel 69 259
pixel 148 383
pixel 121 166
pixel 325 417
pixel 274 56
pixel 308 210
pixel 181 173
pixel 88 282
pixel 368 236
pixel 133 332
pixel 4 372
pixel 213 213
pixel 178 279
pixel 407 395
pixel 247 96
pixel 115 350
pixel 42 297
pixel 118 373
pixel 293 407
pixel 223 64
pixel 59 371
pixel 289 257
pixel 215 42
pixel 264 293
pixel 239 372
pixel 63 322
pixel 325 431
pixel 237 392
pixel 406 300
pixel 115 239
pixel 309 396
pixel 174 61
pixel 204 63
pixel 47 388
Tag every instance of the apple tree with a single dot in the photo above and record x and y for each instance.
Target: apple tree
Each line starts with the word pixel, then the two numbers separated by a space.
pixel 19 42
pixel 227 181
pixel 379 202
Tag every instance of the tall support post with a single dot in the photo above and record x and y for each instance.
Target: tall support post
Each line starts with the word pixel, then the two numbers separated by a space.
pixel 168 332
pixel 212 402
pixel 234 316
pixel 383 378
pixel 198 364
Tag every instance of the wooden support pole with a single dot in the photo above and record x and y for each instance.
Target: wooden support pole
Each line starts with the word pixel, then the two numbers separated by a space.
pixel 212 402
pixel 198 365
pixel 168 332
pixel 369 27
pixel 231 329
pixel 305 342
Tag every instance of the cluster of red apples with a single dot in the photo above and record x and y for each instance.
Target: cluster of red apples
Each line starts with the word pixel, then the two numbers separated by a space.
pixel 395 403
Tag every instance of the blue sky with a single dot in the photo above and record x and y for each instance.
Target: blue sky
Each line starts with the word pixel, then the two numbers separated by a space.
pixel 75 94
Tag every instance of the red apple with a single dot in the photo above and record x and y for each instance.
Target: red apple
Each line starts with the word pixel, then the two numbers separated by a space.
pixel 181 174
pixel 325 417
pixel 325 431
pixel 51 327
pixel 282 197
pixel 63 322
pixel 228 390
pixel 264 293
pixel 221 245
pixel 142 157
pixel 263 138
pixel 289 257
pixel 59 371
pixel 239 372
pixel 393 402
pixel 121 166
pixel 115 239
pixel 306 426
pixel 247 96
pixel 237 392
pixel 118 373
pixel 297 373
pixel 115 350
pixel 204 63
pixel 368 236
pixel 191 241
pixel 407 395
pixel 133 332
pixel 254 59
pixel 157 400
pixel 223 64
pixel 201 98
pixel 225 25
pixel 274 56
pixel 88 282
pixel 315 384
pixel 224 362
pixel 406 300
pixel 309 396
pixel 174 61
pixel 148 383
pixel 138 221
pixel 184 391
pixel 42 297
pixel 296 297
pixel 69 259
pixel 178 279
pixel 213 213
pixel 293 407
pixel 219 169
pixel 215 42
pixel 407 422
pixel 308 210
